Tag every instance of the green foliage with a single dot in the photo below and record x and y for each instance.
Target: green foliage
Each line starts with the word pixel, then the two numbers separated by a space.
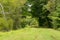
pixel 3 24
pixel 54 16
pixel 6 25
pixel 11 11
pixel 16 14
pixel 29 22
pixel 38 10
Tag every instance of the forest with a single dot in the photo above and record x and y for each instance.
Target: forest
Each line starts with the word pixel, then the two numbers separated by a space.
pixel 19 16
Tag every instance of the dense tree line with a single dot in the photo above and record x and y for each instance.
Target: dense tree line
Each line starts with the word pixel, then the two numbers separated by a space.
pixel 16 14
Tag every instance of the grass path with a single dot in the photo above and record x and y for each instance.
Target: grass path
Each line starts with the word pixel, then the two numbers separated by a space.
pixel 31 34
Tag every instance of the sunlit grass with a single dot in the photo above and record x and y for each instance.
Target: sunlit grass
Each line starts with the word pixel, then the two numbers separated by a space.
pixel 31 34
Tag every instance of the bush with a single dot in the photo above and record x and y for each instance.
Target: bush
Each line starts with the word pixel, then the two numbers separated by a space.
pixel 29 22
pixel 5 25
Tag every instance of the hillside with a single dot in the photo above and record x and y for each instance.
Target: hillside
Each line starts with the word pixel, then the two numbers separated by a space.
pixel 31 34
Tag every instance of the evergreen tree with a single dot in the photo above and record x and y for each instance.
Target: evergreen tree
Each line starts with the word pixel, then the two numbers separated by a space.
pixel 55 15
pixel 38 11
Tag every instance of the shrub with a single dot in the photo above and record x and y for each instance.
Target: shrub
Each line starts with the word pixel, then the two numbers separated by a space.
pixel 29 22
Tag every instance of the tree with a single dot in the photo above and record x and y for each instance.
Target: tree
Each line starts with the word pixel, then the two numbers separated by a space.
pixel 39 11
pixel 55 14
pixel 12 11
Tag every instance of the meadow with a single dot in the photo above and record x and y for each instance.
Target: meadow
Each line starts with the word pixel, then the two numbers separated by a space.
pixel 31 34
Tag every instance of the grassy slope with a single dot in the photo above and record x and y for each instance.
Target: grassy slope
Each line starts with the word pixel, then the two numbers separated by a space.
pixel 31 34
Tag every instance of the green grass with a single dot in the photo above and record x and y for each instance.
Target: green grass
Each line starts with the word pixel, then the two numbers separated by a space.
pixel 31 34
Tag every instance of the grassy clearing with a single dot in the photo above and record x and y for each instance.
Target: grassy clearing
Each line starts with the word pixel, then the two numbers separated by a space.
pixel 31 34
